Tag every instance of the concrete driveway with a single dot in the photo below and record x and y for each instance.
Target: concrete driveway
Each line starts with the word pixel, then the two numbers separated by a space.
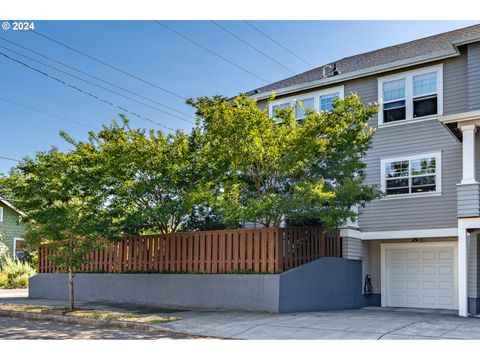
pixel 367 323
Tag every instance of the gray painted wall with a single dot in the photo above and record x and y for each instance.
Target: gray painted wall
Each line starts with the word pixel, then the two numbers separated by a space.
pixel 324 284
pixel 235 292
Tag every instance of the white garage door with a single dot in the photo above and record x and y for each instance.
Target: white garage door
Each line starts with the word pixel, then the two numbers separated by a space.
pixel 421 275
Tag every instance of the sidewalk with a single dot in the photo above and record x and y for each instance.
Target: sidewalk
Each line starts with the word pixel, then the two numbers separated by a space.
pixel 368 323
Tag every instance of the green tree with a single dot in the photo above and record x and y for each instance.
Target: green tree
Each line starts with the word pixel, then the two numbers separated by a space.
pixel 155 181
pixel 62 196
pixel 273 169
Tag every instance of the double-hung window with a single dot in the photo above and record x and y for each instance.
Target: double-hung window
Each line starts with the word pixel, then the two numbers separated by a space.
pixel 411 95
pixel 318 101
pixel 418 174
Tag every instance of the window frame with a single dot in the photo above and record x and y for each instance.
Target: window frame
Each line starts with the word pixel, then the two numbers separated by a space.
pixel 1 214
pixel 438 175
pixel 316 99
pixel 15 239
pixel 408 76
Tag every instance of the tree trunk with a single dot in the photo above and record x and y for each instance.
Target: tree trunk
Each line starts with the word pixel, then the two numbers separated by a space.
pixel 70 288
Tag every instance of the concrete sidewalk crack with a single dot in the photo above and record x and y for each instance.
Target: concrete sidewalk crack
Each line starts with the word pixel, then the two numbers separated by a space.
pixel 399 328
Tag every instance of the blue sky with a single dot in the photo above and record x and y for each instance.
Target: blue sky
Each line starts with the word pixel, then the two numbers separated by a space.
pixel 148 51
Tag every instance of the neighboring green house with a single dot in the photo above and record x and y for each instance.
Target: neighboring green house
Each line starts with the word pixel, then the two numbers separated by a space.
pixel 11 229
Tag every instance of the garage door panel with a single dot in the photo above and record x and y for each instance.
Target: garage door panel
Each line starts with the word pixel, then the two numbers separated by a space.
pixel 429 255
pixel 422 276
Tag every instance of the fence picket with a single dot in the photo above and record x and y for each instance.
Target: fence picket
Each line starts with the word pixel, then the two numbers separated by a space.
pixel 261 250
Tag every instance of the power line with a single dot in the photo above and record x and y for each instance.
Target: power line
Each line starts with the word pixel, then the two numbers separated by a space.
pixel 96 85
pixel 210 51
pixel 86 92
pixel 276 42
pixel 45 113
pixel 108 65
pixel 251 46
pixel 95 77
pixel 7 158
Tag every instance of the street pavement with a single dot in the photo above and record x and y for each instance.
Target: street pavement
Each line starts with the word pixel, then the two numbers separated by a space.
pixel 16 329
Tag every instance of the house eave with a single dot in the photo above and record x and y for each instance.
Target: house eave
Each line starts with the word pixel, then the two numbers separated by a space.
pixel 6 203
pixel 440 55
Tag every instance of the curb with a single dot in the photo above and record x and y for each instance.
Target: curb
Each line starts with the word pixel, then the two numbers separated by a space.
pixel 99 323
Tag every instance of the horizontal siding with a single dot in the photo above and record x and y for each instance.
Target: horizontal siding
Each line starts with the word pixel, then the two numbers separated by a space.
pixel 473 66
pixel 352 248
pixel 468 200
pixel 420 212
pixel 460 75
pixel 455 99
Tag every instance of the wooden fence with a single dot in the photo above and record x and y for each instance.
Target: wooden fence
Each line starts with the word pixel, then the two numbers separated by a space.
pixel 266 250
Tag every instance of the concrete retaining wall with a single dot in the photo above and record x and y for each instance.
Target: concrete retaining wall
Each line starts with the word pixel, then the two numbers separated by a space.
pixel 324 284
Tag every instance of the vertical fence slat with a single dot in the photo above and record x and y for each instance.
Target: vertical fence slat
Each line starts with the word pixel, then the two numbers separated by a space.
pixel 256 249
pixel 261 250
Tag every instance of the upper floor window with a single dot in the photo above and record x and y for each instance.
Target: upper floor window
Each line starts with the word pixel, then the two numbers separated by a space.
pixel 411 175
pixel 319 101
pixel 411 95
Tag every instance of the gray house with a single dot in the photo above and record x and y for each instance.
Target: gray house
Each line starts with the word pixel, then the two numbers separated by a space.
pixel 419 244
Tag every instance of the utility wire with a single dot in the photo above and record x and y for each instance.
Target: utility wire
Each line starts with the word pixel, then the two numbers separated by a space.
pixel 210 51
pixel 96 85
pixel 86 92
pixel 276 42
pixel 251 46
pixel 7 158
pixel 96 78
pixel 45 113
pixel 108 65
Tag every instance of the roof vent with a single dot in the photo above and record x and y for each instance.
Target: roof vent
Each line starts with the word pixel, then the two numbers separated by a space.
pixel 330 70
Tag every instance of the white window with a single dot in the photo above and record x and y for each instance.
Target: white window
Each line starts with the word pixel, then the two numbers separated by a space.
pixel 326 101
pixel 318 101
pixel 411 175
pixel 1 214
pixel 411 95
pixel 19 248
pixel 302 105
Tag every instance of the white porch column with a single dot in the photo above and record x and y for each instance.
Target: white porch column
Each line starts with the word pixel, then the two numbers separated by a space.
pixel 468 132
pixel 462 269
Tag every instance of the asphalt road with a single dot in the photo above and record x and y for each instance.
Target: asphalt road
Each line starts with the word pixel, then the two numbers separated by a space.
pixel 16 329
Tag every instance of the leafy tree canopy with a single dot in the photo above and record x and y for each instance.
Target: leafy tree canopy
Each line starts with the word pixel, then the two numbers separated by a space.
pixel 273 169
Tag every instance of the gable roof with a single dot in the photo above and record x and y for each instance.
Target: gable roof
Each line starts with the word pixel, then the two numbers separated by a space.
pixel 6 203
pixel 426 49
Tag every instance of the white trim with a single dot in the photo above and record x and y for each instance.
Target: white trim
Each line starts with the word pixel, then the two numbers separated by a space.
pixel 408 76
pixel 464 224
pixel 411 121
pixel 314 94
pixel 15 239
pixel 1 214
pixel 388 246
pixel 468 154
pixel 461 117
pixel 396 65
pixel 438 175
pixel 399 234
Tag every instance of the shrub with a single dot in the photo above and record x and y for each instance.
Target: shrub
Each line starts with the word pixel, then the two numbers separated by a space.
pixel 15 273
pixel 3 280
